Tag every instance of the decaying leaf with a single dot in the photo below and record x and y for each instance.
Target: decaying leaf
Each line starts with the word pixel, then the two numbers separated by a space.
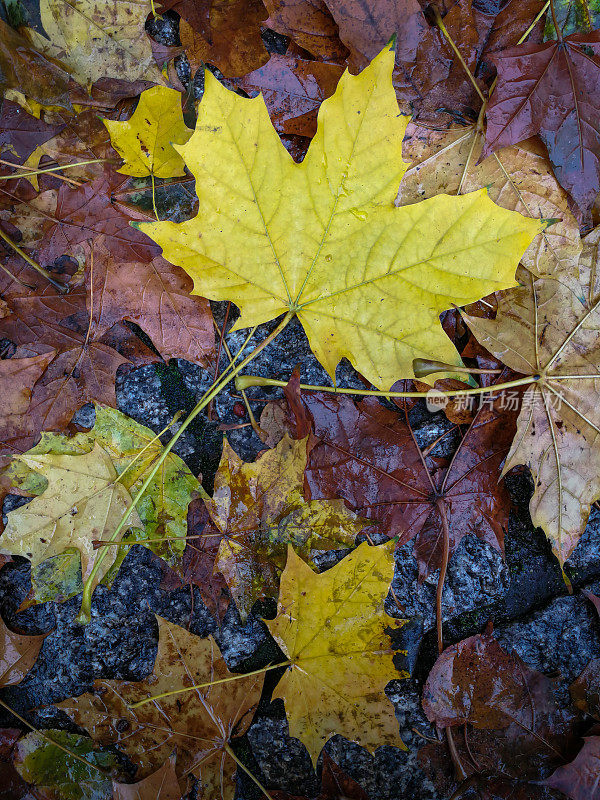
pixel 335 783
pixel 59 775
pixel 132 449
pixel 83 368
pixel 161 785
pixel 564 77
pixel 62 221
pixel 230 39
pixel 517 728
pixel 293 89
pixel 23 68
pixel 368 455
pixel 145 141
pixel 199 723
pixel 551 330
pixel 17 379
pixel 21 133
pixel 323 240
pixel 310 24
pixel 580 780
pixel 82 503
pixel 259 509
pixel 333 628
pixel 97 40
pixel 156 296
pixel 18 654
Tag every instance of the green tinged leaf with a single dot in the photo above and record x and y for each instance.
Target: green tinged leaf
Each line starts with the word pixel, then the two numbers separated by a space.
pixel 132 449
pixel 61 776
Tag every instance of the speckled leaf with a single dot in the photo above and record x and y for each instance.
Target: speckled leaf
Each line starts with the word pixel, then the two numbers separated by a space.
pixel 83 502
pixel 161 785
pixel 199 723
pixel 323 240
pixel 552 329
pixel 61 776
pixel 99 39
pixel 259 509
pixel 145 141
pixel 163 508
pixel 333 628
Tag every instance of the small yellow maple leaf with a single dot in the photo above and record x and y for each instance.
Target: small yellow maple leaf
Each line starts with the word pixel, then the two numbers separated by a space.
pixel 323 239
pixel 83 502
pixel 145 141
pixel 332 626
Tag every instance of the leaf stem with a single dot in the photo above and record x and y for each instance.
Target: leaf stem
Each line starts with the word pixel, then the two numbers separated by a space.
pixel 58 286
pixel 185 689
pixel 440 23
pixel 245 381
pixel 48 739
pixel 154 198
pixel 47 169
pixel 86 601
pixel 535 22
pixel 230 753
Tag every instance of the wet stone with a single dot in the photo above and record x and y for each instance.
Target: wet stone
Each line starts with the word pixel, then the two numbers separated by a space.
pixel 477 578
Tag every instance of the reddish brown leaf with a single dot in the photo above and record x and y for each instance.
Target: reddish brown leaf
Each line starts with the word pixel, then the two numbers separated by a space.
pixel 310 24
pixel 516 727
pixel 580 779
pixel 595 601
pixel 20 133
pixel 367 455
pixel 197 564
pixel 17 379
pixel 585 690
pixel 161 785
pixel 365 27
pixel 293 89
pixel 77 215
pixel 230 40
pixel 156 296
pixel 195 12
pixel 552 90
pixel 23 68
pixel 85 363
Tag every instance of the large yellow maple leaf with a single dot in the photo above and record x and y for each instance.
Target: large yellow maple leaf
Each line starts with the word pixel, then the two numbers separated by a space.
pixel 323 238
pixel 334 629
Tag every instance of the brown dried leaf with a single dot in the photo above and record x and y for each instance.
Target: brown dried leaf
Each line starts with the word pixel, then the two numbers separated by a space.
pixel 368 455
pixel 161 785
pixel 156 296
pixel 17 655
pixel 200 723
pixel 234 44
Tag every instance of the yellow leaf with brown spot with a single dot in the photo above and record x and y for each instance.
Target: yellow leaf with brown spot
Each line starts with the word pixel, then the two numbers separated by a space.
pixel 199 723
pixel 333 628
pixel 259 509
pixel 105 39
pixel 145 141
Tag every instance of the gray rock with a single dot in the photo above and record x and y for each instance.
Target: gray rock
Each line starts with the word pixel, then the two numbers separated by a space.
pixel 560 638
pixel 476 578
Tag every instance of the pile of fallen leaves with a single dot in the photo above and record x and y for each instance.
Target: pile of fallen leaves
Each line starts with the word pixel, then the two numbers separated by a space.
pixel 417 183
